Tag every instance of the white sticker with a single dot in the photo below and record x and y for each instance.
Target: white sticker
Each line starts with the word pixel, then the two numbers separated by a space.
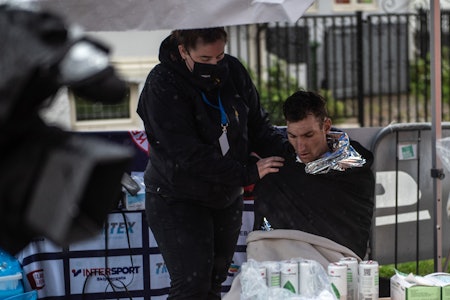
pixel 223 141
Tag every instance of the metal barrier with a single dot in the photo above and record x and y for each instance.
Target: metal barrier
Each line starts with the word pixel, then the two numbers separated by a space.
pixel 403 224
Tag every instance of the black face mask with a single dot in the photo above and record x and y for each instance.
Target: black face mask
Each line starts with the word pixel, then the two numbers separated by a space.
pixel 209 76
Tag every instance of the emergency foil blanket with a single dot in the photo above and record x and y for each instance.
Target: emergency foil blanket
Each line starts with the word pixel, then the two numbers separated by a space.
pixel 341 157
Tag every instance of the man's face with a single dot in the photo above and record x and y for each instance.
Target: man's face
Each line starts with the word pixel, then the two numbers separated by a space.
pixel 308 138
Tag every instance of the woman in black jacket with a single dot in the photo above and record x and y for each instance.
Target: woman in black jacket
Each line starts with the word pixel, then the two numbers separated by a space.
pixel 203 120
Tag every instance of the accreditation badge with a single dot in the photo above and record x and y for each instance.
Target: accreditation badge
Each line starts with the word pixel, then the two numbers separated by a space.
pixel 223 142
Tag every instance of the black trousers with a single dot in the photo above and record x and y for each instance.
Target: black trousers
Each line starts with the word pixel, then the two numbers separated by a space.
pixel 197 243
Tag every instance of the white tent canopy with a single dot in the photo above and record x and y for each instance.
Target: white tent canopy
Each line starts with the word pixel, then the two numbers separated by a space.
pixel 123 15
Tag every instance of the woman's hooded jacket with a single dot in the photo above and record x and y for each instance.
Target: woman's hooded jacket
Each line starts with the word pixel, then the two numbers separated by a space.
pixel 183 130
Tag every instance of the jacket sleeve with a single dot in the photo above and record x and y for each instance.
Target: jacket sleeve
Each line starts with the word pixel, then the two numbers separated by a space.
pixel 265 138
pixel 171 128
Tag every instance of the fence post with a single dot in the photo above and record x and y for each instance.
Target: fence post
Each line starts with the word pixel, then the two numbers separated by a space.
pixel 359 67
pixel 436 94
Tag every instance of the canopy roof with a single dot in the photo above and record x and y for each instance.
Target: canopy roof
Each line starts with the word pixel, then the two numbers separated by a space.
pixel 123 15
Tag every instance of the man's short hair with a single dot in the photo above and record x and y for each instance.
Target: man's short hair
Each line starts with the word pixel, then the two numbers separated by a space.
pixel 303 103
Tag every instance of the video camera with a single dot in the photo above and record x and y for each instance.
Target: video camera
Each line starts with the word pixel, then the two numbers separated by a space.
pixel 53 183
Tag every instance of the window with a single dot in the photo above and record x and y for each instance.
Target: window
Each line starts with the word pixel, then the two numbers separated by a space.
pixel 89 115
pixel 352 5
pixel 87 110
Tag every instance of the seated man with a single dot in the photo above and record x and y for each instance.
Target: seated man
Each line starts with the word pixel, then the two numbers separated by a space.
pixel 327 189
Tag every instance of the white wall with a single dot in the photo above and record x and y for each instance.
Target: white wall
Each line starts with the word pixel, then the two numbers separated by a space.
pixel 132 43
pixel 326 7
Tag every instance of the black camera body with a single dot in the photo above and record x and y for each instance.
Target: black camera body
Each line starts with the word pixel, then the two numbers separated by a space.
pixel 53 183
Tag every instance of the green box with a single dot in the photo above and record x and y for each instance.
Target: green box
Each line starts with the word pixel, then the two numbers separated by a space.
pixel 445 292
pixel 404 290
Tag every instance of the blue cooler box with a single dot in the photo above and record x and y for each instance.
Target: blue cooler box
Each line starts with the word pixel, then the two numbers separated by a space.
pixel 25 296
pixel 11 285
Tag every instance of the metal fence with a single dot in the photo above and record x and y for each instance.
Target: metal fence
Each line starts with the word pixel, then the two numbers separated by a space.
pixel 373 69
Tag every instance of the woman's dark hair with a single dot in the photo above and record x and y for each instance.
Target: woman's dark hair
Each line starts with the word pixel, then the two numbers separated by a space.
pixel 189 37
pixel 303 103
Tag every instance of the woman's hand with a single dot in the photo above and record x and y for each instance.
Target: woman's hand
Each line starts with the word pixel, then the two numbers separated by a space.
pixel 268 165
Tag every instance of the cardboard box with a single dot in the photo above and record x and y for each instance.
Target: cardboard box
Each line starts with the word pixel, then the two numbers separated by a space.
pixel 413 288
pixel 442 280
pixel 445 293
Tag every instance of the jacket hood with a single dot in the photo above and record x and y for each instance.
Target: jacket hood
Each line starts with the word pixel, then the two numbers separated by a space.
pixel 170 56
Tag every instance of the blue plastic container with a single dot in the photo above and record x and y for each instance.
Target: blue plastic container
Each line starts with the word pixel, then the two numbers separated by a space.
pixel 25 296
pixel 11 285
